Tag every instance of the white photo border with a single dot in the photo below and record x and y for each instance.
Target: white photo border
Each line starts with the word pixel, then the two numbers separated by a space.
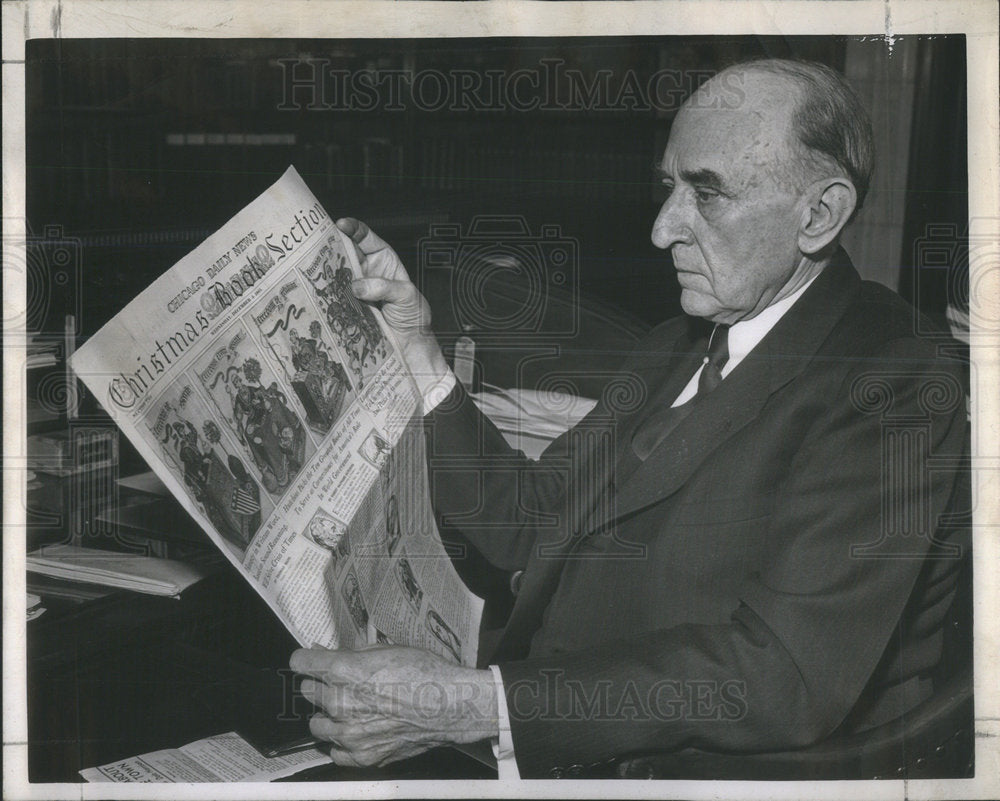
pixel 977 19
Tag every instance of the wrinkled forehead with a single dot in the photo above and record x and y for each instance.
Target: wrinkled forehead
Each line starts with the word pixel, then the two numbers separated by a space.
pixel 752 128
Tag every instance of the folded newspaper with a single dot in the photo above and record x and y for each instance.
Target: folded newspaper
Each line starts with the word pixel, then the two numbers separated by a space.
pixel 223 758
pixel 276 407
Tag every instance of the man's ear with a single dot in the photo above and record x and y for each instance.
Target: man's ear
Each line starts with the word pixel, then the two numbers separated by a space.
pixel 830 204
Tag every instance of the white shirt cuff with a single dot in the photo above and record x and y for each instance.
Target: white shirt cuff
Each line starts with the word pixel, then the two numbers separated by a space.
pixel 438 391
pixel 503 746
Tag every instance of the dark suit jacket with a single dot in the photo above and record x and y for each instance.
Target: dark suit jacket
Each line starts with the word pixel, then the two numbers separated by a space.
pixel 774 570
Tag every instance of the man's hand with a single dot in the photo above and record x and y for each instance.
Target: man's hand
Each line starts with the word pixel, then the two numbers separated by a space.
pixel 386 703
pixel 404 308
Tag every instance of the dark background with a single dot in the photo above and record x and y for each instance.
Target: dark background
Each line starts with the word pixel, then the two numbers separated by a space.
pixel 133 157
pixel 101 114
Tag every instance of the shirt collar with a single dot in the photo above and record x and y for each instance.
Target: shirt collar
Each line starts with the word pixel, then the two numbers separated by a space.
pixel 744 335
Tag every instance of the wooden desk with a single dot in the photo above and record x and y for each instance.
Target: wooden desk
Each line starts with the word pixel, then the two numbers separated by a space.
pixel 129 673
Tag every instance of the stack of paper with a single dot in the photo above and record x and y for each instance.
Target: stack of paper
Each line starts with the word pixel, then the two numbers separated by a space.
pixel 35 609
pixel 32 481
pixel 41 352
pixel 74 591
pixel 125 571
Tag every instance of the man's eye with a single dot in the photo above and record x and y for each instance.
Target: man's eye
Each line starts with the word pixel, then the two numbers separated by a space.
pixel 705 195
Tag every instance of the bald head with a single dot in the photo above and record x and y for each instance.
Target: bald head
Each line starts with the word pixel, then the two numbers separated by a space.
pixel 754 136
pixel 827 128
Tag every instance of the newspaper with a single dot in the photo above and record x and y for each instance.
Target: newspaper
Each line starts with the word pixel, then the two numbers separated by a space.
pixel 223 758
pixel 276 407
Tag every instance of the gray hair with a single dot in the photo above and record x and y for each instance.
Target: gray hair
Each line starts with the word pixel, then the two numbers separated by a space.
pixel 830 121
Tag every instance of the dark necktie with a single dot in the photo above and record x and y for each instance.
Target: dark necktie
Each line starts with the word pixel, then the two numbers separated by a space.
pixel 715 360
pixel 654 429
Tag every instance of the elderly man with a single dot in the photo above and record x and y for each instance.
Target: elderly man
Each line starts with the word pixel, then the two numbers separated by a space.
pixel 725 571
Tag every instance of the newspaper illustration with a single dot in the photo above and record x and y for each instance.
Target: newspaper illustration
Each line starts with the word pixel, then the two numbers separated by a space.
pixel 255 410
pixel 275 406
pixel 292 331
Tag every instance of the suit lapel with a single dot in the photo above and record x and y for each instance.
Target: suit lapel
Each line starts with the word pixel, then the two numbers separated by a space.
pixel 665 368
pixel 712 420
pixel 662 365
pixel 662 381
pixel 781 355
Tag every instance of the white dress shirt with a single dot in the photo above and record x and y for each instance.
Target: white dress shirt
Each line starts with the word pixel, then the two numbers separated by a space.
pixel 743 338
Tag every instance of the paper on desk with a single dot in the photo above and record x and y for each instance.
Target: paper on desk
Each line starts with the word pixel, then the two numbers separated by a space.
pixel 125 571
pixel 530 420
pixel 33 606
pixel 144 482
pixel 223 758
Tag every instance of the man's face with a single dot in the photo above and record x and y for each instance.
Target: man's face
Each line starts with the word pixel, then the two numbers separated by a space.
pixel 732 217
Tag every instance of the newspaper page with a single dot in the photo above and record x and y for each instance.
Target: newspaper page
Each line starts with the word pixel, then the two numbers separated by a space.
pixel 275 406
pixel 223 758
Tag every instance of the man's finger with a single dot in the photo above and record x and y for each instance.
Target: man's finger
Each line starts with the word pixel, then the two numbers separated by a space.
pixel 366 240
pixel 349 742
pixel 312 691
pixel 352 227
pixel 383 289
pixel 323 727
pixel 320 663
pixel 343 704
pixel 338 700
pixel 343 757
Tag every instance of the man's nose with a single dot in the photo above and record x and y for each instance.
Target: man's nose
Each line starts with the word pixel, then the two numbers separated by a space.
pixel 671 225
